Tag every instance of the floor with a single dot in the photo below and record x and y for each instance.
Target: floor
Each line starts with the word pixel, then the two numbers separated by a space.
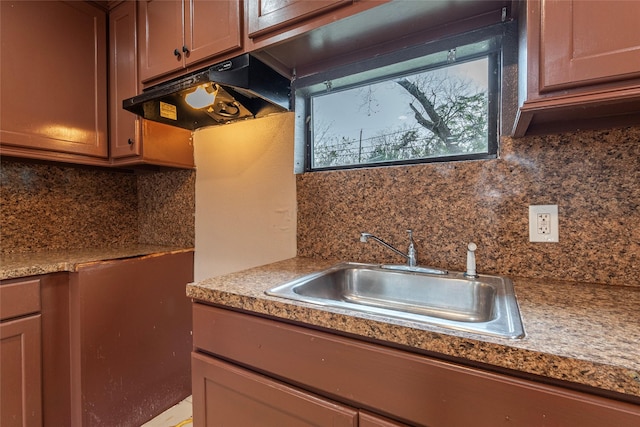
pixel 177 416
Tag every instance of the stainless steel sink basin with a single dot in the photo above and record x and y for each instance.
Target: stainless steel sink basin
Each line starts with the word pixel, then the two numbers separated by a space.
pixel 486 304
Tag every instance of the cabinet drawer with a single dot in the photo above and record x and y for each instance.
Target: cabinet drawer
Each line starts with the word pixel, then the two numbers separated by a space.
pixel 224 395
pixel 19 298
pixel 399 384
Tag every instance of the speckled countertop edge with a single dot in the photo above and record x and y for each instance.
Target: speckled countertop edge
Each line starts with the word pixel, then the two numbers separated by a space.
pixel 34 263
pixel 581 333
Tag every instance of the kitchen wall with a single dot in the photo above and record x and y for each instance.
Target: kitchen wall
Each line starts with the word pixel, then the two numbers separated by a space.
pixel 593 177
pixel 245 195
pixel 56 207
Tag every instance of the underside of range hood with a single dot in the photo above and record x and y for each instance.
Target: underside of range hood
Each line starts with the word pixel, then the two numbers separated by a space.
pixel 244 86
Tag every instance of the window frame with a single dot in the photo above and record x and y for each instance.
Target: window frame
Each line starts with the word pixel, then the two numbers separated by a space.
pixel 304 88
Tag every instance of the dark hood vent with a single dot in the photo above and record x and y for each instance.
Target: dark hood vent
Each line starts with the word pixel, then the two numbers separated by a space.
pixel 244 87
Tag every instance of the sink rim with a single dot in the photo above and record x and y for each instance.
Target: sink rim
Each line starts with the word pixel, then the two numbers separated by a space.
pixel 507 322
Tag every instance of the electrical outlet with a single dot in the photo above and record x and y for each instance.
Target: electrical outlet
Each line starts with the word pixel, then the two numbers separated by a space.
pixel 543 223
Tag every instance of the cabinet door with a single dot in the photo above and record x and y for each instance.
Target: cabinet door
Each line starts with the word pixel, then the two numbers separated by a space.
pixel 54 77
pixel 224 395
pixel 160 37
pixel 130 338
pixel 269 15
pixel 20 388
pixel 366 419
pixel 123 79
pixel 211 28
pixel 586 42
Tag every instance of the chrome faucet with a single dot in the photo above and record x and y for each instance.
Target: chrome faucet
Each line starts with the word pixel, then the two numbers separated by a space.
pixel 411 252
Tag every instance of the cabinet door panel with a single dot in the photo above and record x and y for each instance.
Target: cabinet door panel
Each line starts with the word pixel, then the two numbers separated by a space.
pixel 441 393
pixel 160 31
pixel 370 420
pixel 225 395
pixel 20 388
pixel 585 42
pixel 54 87
pixel 130 339
pixel 212 27
pixel 267 15
pixel 123 78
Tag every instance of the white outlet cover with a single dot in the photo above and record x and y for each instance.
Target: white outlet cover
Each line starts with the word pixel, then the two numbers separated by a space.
pixel 534 234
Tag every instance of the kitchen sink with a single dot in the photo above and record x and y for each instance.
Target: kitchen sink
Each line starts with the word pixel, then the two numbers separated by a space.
pixel 484 304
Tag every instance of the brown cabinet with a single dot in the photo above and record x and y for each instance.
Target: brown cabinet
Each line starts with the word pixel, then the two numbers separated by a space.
pixel 135 141
pixel 582 65
pixel 264 16
pixel 401 386
pixel 129 338
pixel 53 96
pixel 224 394
pixel 179 33
pixel 20 354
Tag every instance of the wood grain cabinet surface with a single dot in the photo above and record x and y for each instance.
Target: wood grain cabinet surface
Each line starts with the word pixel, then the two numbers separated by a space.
pixel 582 65
pixel 53 93
pixel 20 354
pixel 386 386
pixel 133 140
pixel 264 16
pixel 129 339
pixel 177 34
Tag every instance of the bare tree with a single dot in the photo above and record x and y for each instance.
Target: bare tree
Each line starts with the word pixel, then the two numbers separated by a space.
pixel 450 118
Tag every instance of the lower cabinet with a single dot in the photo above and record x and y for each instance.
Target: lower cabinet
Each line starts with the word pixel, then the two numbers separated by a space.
pixel 20 354
pixel 129 338
pixel 250 370
pixel 224 394
pixel 106 345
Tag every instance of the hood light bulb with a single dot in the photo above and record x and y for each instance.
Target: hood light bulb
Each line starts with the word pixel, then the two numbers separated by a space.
pixel 202 97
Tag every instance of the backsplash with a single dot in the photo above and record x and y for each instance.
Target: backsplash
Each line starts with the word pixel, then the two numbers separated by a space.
pixel 593 177
pixel 52 207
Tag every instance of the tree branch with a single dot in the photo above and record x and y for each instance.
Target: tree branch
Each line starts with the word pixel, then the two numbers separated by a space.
pixel 437 124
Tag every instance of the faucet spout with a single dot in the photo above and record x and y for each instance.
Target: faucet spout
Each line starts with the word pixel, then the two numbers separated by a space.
pixel 410 255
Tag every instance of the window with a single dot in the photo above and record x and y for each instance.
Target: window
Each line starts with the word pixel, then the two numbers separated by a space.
pixel 436 102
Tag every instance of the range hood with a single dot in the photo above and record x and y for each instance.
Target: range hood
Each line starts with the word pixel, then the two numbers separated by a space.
pixel 237 89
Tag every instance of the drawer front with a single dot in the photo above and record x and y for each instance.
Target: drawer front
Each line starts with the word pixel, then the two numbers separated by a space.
pixel 19 298
pixel 399 384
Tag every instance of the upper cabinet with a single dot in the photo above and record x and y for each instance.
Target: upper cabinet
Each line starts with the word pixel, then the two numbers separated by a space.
pixel 53 93
pixel 133 140
pixel 581 66
pixel 176 34
pixel 264 16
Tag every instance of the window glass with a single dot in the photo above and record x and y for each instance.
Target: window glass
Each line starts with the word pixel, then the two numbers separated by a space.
pixel 437 106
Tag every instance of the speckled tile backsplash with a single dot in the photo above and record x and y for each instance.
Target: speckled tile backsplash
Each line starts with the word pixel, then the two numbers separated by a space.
pixel 593 177
pixel 167 207
pixel 51 207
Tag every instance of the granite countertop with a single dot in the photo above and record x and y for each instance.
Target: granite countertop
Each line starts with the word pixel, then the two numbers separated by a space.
pixel 582 333
pixel 33 263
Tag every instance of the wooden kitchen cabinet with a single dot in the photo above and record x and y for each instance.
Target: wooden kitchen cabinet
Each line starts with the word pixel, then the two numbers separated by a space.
pixel 133 140
pixel 264 16
pixel 20 354
pixel 581 66
pixel 54 81
pixel 129 338
pixel 224 394
pixel 177 34
pixel 391 385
